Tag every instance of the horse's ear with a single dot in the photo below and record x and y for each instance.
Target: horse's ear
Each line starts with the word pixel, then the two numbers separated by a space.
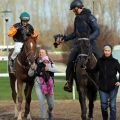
pixel 35 35
pixel 35 38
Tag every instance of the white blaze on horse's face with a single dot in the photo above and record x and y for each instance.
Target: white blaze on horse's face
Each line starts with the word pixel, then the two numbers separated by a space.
pixel 31 44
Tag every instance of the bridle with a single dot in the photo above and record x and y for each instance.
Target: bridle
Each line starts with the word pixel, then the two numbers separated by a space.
pixel 83 66
pixel 84 56
pixel 28 56
pixel 29 60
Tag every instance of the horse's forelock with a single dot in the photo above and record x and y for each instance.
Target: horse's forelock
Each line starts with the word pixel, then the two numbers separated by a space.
pixel 30 49
pixel 31 45
pixel 31 42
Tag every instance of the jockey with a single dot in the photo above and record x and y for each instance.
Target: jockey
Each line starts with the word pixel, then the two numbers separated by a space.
pixel 85 26
pixel 19 32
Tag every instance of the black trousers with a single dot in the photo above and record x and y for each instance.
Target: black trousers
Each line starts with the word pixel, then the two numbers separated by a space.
pixel 70 65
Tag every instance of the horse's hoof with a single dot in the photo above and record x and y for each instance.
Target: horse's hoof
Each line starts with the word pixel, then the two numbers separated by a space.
pixel 27 117
pixel 19 119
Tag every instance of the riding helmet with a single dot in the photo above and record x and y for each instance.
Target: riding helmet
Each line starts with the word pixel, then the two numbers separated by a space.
pixel 24 16
pixel 76 3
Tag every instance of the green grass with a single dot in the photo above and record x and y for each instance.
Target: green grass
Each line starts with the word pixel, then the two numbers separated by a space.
pixel 3 66
pixel 5 90
pixel 59 93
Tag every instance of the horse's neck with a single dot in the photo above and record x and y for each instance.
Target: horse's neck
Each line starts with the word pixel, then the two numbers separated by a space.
pixel 22 57
pixel 92 61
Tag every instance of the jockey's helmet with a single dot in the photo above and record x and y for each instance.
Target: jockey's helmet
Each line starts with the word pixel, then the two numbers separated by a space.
pixel 76 3
pixel 24 16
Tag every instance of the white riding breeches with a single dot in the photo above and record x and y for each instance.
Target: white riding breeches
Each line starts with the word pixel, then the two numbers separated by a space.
pixel 17 49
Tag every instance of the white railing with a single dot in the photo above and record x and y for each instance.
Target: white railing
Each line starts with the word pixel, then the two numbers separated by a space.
pixel 6 74
pixel 5 58
pixel 56 74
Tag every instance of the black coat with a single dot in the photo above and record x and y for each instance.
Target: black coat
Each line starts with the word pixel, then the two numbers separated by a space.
pixel 85 25
pixel 107 68
pixel 22 31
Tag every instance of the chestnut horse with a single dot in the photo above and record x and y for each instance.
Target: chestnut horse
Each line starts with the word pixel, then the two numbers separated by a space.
pixel 22 64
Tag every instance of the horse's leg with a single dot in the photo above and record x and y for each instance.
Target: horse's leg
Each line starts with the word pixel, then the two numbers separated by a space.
pixel 92 94
pixel 14 92
pixel 27 92
pixel 82 100
pixel 20 99
pixel 91 106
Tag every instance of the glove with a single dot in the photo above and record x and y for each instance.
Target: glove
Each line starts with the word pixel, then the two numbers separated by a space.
pixel 59 38
pixel 64 37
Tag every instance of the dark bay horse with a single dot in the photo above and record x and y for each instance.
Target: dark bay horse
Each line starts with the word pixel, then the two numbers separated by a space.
pixel 22 64
pixel 86 83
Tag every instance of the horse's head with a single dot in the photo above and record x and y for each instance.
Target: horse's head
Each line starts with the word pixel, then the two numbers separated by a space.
pixel 85 51
pixel 29 49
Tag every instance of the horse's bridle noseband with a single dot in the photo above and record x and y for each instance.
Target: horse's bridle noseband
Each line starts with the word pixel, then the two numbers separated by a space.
pixel 82 39
pixel 86 60
pixel 27 55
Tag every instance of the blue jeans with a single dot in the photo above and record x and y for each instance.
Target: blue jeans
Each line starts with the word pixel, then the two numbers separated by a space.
pixel 108 99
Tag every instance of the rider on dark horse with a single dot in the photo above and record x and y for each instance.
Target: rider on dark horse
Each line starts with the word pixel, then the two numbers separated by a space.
pixel 85 26
pixel 19 32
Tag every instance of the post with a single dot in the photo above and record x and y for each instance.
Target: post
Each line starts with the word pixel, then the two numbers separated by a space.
pixel 4 31
pixel 5 27
pixel 93 7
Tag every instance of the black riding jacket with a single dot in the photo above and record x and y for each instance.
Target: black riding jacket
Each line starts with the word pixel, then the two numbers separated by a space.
pixel 107 68
pixel 22 32
pixel 85 25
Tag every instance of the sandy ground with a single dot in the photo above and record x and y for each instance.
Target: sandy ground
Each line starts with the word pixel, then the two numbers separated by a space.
pixel 63 110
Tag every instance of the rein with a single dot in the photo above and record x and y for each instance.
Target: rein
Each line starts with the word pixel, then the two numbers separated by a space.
pixel 92 81
pixel 23 66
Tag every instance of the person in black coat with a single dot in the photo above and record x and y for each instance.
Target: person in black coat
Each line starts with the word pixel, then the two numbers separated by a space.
pixel 107 66
pixel 85 26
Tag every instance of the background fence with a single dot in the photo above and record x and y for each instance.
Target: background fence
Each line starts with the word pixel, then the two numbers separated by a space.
pixel 59 81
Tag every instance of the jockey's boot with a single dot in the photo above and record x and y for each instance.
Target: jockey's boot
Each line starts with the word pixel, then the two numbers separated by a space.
pixel 11 63
pixel 68 86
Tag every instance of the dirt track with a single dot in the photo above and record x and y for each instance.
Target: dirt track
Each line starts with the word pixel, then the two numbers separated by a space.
pixel 63 110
